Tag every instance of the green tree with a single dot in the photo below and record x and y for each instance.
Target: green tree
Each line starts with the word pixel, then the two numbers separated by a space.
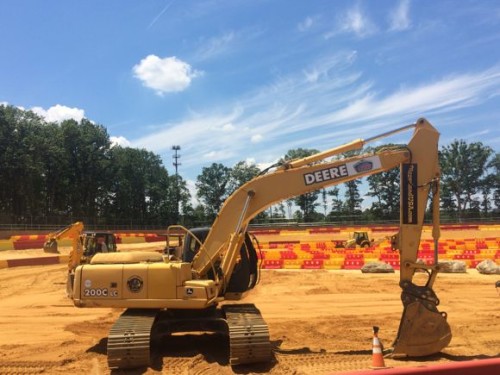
pixel 184 199
pixel 212 187
pixel 86 147
pixel 384 187
pixel 69 171
pixel 306 202
pixel 21 166
pixel 240 174
pixel 55 163
pixel 448 204
pixel 337 204
pixel 141 189
pixel 195 217
pixel 463 168
pixel 352 204
pixel 494 164
pixel 353 200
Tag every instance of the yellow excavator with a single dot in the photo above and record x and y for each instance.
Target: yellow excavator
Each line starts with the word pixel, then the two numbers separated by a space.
pixel 356 239
pixel 162 295
pixel 84 245
pixel 73 231
pixel 360 240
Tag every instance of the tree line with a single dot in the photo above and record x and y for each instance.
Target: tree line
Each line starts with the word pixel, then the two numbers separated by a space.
pixel 54 173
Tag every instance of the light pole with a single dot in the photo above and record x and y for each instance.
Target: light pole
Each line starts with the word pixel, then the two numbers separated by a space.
pixel 176 163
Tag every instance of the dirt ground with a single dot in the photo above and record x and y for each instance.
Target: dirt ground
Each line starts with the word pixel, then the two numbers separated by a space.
pixel 320 322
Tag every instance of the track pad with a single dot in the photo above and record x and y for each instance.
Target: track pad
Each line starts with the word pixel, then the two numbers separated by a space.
pixel 421 332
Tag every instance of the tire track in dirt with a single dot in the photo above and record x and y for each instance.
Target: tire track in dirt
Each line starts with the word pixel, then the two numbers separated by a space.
pixel 321 363
pixel 26 367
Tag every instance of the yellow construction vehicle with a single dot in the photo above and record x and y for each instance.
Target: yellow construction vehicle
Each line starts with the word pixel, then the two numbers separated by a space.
pixel 96 242
pixel 72 231
pixel 90 244
pixel 84 245
pixel 163 295
pixel 356 239
pixel 360 240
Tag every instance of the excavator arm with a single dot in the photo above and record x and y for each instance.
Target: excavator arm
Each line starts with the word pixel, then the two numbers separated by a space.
pixel 72 231
pixel 423 329
pixel 262 192
pixel 313 173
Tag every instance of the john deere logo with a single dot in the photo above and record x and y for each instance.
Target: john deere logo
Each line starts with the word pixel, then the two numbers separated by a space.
pixel 363 166
pixel 135 284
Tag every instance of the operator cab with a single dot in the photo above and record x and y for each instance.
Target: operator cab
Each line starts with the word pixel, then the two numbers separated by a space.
pixel 191 246
pixel 98 242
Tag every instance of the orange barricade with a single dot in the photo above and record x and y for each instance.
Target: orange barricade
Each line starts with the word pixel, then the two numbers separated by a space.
pixel 353 264
pixel 312 264
pixel 272 263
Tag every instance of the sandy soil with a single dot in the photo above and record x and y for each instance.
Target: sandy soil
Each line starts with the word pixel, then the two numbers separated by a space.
pixel 320 322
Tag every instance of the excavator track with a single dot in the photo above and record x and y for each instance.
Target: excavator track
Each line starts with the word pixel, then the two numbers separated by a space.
pixel 129 339
pixel 248 334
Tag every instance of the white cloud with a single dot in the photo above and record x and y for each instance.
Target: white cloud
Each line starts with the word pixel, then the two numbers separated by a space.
pixel 218 155
pixel 203 137
pixel 4 104
pixel 448 94
pixel 321 69
pixel 163 75
pixel 399 18
pixel 216 46
pixel 354 21
pixel 59 113
pixel 338 106
pixel 256 138
pixel 228 127
pixel 119 141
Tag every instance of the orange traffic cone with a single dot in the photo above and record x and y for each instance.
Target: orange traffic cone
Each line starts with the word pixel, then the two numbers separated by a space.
pixel 377 356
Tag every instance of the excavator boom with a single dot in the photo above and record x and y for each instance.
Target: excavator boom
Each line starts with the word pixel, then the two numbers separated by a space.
pixel 423 329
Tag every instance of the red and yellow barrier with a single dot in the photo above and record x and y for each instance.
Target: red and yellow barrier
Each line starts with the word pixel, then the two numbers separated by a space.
pixel 309 253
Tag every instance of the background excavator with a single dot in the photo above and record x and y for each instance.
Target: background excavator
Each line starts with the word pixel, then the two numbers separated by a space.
pixel 84 245
pixel 162 295
pixel 360 240
pixel 73 231
pixel 356 239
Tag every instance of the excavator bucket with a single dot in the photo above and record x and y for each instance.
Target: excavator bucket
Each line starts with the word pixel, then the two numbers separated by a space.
pixel 422 331
pixel 50 246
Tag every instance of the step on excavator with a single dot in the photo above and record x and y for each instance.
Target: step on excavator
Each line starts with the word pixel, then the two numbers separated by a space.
pixel 219 264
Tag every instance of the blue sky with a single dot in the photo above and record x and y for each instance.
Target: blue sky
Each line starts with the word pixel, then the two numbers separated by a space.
pixel 232 80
